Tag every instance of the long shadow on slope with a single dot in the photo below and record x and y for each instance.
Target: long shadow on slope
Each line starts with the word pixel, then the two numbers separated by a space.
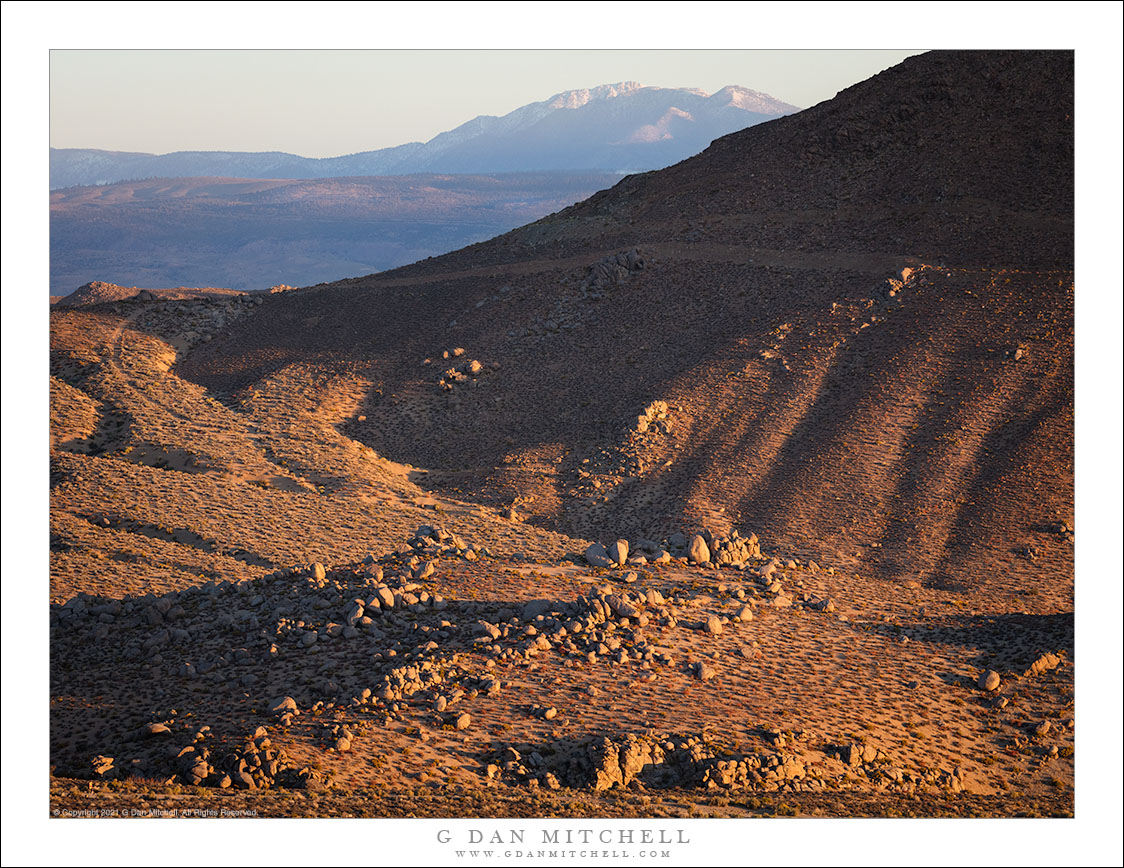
pixel 812 461
pixel 930 480
pixel 740 407
pixel 179 536
pixel 929 476
pixel 577 389
pixel 539 397
pixel 1009 642
pixel 993 481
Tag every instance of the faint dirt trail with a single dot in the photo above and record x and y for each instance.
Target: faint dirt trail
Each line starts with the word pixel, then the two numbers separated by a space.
pixel 702 252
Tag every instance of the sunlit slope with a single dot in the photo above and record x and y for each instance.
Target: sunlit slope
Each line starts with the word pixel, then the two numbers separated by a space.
pixel 859 317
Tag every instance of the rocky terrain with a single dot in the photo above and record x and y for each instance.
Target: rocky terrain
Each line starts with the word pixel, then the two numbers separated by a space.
pixel 744 488
pixel 98 292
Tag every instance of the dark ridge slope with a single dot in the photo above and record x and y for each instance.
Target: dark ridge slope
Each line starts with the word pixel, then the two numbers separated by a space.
pixel 962 155
pixel 916 426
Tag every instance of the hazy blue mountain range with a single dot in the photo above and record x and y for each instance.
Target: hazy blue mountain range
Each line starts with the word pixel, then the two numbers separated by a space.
pixel 621 127
pixel 252 234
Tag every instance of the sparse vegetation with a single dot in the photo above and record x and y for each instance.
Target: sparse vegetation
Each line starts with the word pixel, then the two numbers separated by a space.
pixel 246 603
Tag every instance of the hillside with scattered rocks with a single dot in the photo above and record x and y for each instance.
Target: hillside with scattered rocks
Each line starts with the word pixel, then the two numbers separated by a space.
pixel 860 317
pixel 744 488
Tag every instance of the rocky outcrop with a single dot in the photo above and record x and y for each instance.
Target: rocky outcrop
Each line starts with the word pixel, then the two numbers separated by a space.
pixel 610 272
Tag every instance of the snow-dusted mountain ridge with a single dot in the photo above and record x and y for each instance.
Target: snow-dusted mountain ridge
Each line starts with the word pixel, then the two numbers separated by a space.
pixel 613 127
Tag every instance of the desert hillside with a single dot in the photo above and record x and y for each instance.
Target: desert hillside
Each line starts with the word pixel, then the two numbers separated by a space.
pixel 860 318
pixel 742 488
pixel 99 292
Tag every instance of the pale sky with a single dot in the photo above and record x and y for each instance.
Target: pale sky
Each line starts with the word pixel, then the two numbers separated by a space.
pixel 324 103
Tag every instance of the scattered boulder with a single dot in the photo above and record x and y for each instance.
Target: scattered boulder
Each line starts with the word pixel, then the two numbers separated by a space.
pixel 989 681
pixel 621 607
pixel 354 613
pixel 1044 663
pixel 857 754
pixel 611 271
pixel 533 608
pixel 698 552
pixel 703 671
pixel 385 597
pixel 102 767
pixel 597 556
pixel 283 705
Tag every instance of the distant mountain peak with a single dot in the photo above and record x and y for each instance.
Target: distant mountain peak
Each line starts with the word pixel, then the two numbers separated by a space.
pixel 623 126
pixel 751 100
pixel 582 96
